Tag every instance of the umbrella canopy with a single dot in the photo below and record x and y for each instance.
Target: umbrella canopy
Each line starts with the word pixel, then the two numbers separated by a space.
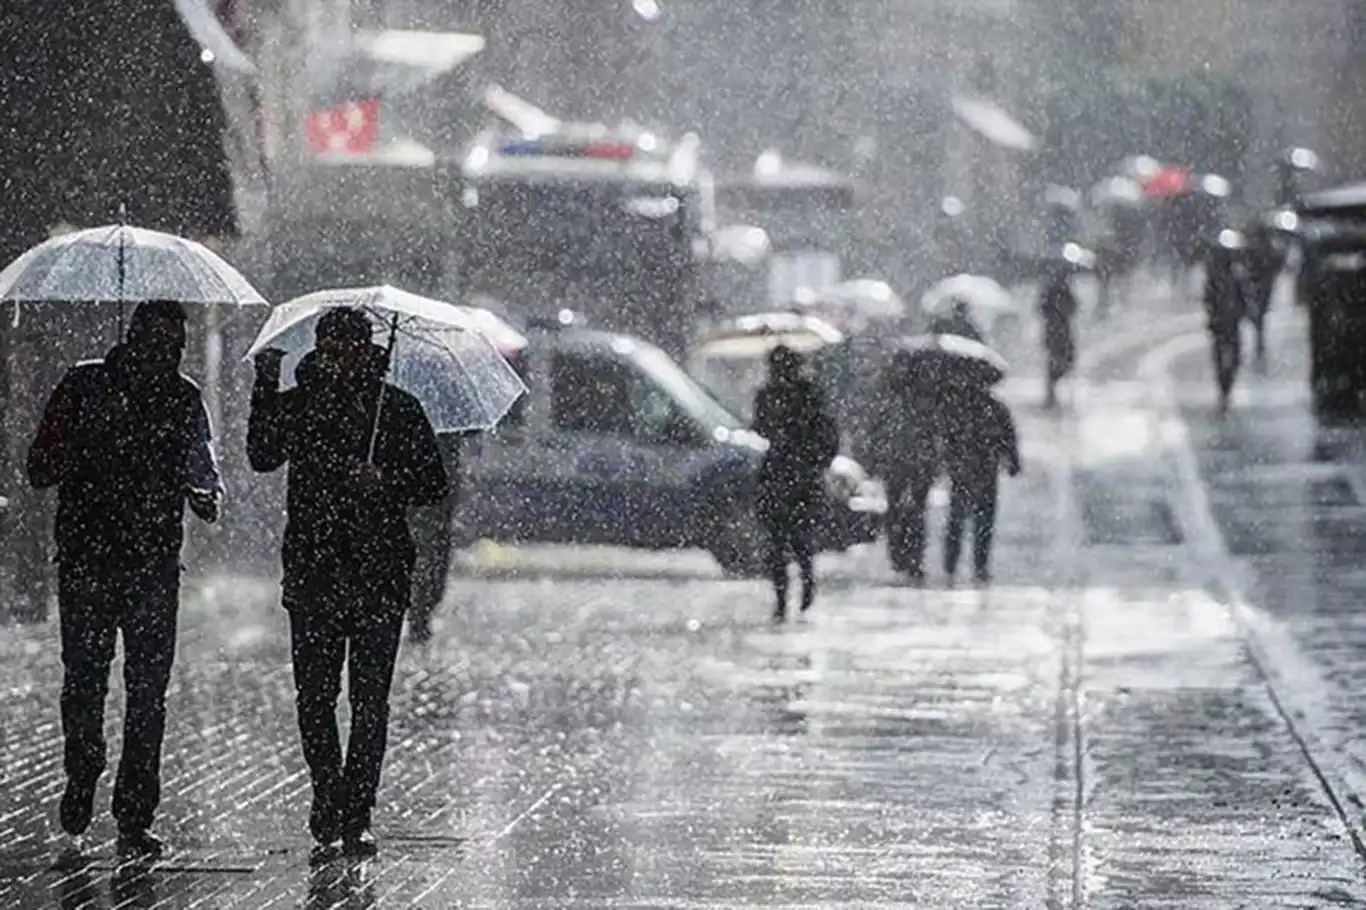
pixel 118 263
pixel 947 359
pixel 983 295
pixel 439 352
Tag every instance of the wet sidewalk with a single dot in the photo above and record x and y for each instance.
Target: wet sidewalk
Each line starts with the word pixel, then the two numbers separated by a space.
pixel 1088 731
pixel 1287 500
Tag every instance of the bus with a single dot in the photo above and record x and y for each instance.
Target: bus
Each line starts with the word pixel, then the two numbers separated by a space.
pixel 611 224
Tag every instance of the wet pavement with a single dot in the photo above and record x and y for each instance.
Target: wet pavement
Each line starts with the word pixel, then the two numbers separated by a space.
pixel 598 728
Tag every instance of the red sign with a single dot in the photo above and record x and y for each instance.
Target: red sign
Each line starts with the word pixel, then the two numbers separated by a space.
pixel 351 128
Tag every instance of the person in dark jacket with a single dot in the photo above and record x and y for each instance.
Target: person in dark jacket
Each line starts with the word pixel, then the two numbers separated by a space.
pixel 126 441
pixel 906 455
pixel 790 413
pixel 1057 308
pixel 979 442
pixel 361 453
pixel 1226 306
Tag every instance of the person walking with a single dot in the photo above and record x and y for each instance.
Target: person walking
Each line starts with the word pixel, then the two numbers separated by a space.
pixel 1226 306
pixel 361 453
pixel 126 440
pixel 980 441
pixel 1058 308
pixel 905 453
pixel 790 413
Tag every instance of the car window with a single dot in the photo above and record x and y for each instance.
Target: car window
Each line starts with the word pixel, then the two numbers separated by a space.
pixel 590 395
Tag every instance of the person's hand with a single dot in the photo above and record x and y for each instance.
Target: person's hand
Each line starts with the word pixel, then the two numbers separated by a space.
pixel 369 477
pixel 268 362
pixel 1014 469
pixel 204 503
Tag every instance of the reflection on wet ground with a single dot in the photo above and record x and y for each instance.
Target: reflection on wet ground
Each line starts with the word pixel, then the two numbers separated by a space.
pixel 1089 726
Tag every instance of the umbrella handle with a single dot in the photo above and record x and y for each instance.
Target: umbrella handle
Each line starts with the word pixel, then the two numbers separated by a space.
pixel 379 399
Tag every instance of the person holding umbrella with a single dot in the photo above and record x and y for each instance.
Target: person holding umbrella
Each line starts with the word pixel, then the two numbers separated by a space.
pixel 358 432
pixel 126 441
pixel 348 554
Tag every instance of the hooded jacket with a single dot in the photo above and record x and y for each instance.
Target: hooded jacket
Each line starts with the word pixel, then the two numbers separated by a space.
pixel 322 429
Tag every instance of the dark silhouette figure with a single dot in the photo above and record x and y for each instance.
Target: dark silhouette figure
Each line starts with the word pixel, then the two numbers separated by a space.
pixel 802 437
pixel 979 441
pixel 1263 262
pixel 905 453
pixel 348 553
pixel 1058 309
pixel 126 440
pixel 1225 308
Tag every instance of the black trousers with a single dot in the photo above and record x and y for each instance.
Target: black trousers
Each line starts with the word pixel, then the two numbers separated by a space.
pixel 908 497
pixel 345 626
pixel 975 499
pixel 95 604
pixel 788 510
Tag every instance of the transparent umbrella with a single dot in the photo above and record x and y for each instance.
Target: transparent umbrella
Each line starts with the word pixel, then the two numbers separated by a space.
pixel 439 352
pixel 985 296
pixel 118 263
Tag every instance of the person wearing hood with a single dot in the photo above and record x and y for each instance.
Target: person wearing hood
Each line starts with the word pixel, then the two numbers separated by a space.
pixel 803 439
pixel 361 453
pixel 126 440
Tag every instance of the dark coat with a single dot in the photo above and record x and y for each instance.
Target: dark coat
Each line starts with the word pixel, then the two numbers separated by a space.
pixel 322 428
pixel 1058 307
pixel 123 445
pixel 905 443
pixel 802 440
pixel 979 438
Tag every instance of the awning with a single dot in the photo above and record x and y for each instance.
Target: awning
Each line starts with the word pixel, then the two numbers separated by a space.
pixel 391 62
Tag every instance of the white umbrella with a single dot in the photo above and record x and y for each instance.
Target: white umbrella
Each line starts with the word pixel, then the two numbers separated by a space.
pixel 984 296
pixel 122 264
pixel 439 352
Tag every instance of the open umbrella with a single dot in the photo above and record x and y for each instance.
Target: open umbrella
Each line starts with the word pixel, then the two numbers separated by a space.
pixel 948 359
pixel 437 351
pixel 122 264
pixel 984 296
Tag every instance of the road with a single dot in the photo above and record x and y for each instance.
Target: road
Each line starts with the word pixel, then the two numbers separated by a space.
pixel 1101 727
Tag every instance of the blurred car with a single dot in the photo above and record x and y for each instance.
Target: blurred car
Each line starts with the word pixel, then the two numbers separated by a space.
pixel 617 444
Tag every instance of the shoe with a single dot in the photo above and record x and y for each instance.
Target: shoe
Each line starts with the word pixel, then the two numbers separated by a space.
pixel 983 576
pixel 324 853
pixel 139 843
pixel 360 845
pixel 78 805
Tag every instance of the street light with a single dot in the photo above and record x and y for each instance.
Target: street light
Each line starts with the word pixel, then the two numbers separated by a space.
pixel 647 9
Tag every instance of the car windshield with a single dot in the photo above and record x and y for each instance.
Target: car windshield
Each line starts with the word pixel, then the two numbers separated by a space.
pixel 688 392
